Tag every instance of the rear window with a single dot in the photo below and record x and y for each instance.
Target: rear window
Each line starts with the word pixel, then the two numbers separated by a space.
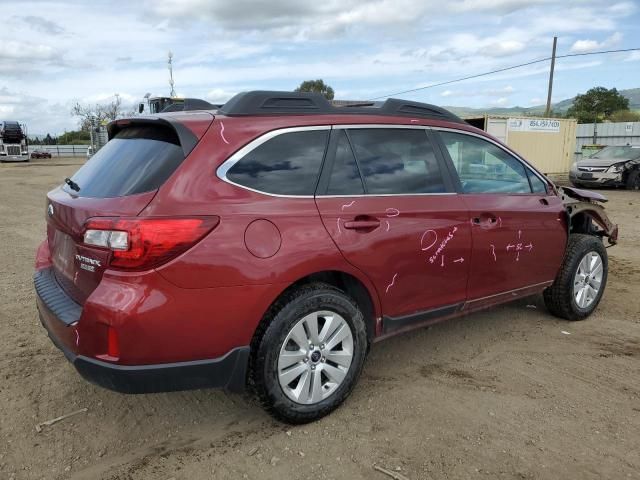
pixel 136 160
pixel 288 164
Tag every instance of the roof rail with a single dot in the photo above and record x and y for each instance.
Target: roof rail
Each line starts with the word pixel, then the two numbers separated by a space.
pixel 262 102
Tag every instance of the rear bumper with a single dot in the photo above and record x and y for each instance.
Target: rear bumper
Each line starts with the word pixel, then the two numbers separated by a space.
pixel 227 371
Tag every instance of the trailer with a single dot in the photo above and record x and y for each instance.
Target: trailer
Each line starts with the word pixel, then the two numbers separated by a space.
pixel 13 142
pixel 174 104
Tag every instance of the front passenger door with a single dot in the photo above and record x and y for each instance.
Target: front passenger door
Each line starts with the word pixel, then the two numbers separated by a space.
pixel 518 228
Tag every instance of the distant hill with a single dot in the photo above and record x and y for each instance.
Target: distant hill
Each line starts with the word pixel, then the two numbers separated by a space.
pixel 633 94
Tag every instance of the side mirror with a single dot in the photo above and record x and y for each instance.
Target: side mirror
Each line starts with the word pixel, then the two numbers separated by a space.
pixel 140 107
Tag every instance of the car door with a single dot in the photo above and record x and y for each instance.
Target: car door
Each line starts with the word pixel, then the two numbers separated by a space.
pixel 518 227
pixel 387 200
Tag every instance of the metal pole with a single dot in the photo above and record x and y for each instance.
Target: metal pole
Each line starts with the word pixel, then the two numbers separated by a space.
pixel 547 112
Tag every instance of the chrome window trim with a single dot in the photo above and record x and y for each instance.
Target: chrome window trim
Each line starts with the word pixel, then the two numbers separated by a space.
pixel 223 169
pixel 380 125
pixel 513 154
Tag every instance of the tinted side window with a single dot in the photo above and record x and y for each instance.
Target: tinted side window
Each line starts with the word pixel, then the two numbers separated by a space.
pixel 345 177
pixel 537 185
pixel 286 165
pixel 397 161
pixel 483 167
pixel 136 160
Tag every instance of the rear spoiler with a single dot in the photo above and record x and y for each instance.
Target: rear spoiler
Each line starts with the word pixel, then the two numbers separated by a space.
pixel 188 127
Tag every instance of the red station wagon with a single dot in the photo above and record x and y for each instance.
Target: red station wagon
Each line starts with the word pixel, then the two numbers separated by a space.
pixel 270 242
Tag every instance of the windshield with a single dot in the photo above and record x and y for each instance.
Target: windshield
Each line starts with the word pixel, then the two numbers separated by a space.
pixel 625 152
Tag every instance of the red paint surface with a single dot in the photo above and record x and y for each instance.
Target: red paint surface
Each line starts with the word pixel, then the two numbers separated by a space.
pixel 211 298
pixel 262 238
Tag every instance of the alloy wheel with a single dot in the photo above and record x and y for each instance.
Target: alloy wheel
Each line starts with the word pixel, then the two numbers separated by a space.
pixel 315 357
pixel 588 279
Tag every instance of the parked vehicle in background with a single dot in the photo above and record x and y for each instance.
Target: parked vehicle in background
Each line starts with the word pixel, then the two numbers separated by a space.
pixel 155 105
pixel 614 166
pixel 40 154
pixel 13 142
pixel 270 243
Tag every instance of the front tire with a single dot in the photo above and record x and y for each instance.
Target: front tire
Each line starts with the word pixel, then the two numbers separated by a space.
pixel 310 354
pixel 633 180
pixel 581 281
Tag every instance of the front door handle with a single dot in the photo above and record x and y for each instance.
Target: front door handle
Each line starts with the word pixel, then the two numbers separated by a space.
pixel 367 224
pixel 485 221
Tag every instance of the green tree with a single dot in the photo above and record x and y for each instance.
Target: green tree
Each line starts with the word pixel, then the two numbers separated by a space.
pixel 317 86
pixel 597 104
pixel 79 137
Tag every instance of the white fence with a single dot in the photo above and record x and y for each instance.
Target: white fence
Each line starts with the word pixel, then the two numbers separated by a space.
pixel 62 150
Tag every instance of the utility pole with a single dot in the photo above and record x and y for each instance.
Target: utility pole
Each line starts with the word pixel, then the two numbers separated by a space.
pixel 172 94
pixel 547 112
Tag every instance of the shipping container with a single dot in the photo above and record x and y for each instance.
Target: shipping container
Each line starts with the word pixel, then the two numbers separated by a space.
pixel 548 143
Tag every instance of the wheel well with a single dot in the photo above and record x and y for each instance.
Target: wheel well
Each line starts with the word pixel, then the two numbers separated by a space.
pixel 582 223
pixel 343 281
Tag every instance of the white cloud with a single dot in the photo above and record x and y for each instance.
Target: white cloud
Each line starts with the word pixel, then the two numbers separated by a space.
pixel 219 95
pixel 487 92
pixel 363 49
pixel 499 6
pixel 633 57
pixel 583 46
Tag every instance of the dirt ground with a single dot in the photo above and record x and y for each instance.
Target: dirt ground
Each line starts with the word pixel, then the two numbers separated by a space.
pixel 501 394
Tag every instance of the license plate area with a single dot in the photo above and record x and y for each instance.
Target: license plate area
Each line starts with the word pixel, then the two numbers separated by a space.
pixel 586 175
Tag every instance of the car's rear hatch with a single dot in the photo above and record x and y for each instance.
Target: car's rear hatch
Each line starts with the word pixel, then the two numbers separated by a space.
pixel 118 181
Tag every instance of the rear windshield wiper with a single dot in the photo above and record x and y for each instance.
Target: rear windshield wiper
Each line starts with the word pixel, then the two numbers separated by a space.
pixel 72 185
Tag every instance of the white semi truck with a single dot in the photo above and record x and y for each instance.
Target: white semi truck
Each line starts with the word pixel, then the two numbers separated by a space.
pixel 13 142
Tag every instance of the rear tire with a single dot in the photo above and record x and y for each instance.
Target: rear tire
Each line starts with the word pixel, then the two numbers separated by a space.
pixel 581 281
pixel 633 180
pixel 298 374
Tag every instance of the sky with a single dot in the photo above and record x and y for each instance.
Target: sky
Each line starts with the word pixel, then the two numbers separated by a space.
pixel 56 53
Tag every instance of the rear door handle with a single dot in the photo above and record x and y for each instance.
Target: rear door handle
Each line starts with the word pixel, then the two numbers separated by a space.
pixel 362 224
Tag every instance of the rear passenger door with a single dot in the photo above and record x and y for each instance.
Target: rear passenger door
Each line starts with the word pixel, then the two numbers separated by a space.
pixel 518 228
pixel 388 202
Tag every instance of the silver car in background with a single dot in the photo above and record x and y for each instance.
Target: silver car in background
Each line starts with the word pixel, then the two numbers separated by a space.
pixel 615 166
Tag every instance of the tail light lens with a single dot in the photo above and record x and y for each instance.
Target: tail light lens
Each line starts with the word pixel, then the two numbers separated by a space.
pixel 144 243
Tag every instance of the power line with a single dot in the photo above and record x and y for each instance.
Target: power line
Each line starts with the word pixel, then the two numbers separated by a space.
pixel 532 62
pixel 598 53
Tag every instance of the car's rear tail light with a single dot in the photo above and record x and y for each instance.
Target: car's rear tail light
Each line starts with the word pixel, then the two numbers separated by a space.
pixel 143 243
